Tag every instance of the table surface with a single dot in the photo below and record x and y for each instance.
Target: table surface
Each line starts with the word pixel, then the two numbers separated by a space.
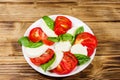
pixel 102 16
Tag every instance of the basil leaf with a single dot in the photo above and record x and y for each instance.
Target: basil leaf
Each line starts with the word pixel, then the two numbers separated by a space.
pixel 24 41
pixel 82 59
pixel 34 45
pixel 63 37
pixel 72 41
pixel 66 37
pixel 49 22
pixel 60 38
pixel 46 65
pixel 27 43
pixel 79 30
pixel 54 39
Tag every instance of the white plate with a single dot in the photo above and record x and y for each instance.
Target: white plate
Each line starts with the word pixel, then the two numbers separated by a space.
pixel 75 22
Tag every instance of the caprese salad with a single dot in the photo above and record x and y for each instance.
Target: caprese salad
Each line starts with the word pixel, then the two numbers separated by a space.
pixel 56 46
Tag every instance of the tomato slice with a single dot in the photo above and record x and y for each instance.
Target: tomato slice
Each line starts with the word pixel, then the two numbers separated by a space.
pixel 43 58
pixel 48 42
pixel 62 25
pixel 90 51
pixel 59 30
pixel 87 39
pixel 35 34
pixel 68 63
pixel 45 40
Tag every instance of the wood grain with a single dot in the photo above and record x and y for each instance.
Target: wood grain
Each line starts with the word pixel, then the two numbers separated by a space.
pixel 102 16
pixel 27 1
pixel 23 11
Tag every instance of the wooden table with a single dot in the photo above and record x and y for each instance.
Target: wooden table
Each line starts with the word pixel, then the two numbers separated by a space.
pixel 103 17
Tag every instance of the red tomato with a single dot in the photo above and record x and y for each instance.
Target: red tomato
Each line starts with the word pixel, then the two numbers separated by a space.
pixel 62 25
pixel 48 42
pixel 68 63
pixel 43 58
pixel 90 51
pixel 59 30
pixel 87 39
pixel 35 34
pixel 45 40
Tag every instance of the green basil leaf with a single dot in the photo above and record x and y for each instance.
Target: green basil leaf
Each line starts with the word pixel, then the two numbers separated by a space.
pixel 27 43
pixel 46 65
pixel 79 30
pixel 72 41
pixel 54 39
pixel 34 45
pixel 49 22
pixel 82 59
pixel 66 37
pixel 63 37
pixel 24 41
pixel 60 38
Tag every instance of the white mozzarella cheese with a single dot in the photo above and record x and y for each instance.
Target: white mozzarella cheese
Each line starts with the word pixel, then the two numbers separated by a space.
pixel 35 52
pixel 72 30
pixel 47 30
pixel 79 49
pixel 63 46
pixel 59 57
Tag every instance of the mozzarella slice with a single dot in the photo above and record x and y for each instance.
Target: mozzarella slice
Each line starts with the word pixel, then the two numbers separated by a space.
pixel 59 56
pixel 79 49
pixel 72 30
pixel 63 46
pixel 47 30
pixel 35 52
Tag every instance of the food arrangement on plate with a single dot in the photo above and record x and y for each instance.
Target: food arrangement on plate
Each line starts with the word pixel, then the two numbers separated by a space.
pixel 58 45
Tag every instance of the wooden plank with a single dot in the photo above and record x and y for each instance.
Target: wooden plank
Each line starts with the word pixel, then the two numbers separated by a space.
pixel 97 13
pixel 12 28
pixel 99 1
pixel 21 77
pixel 12 60
pixel 104 49
pixel 105 31
pixel 81 1
pixel 39 1
pixel 32 13
pixel 28 12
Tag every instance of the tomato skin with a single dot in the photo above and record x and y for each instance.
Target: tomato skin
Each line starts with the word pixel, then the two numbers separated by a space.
pixel 59 30
pixel 62 25
pixel 87 39
pixel 43 58
pixel 90 51
pixel 45 40
pixel 68 63
pixel 35 34
pixel 48 42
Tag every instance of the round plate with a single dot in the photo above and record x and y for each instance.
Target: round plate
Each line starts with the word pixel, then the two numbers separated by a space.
pixel 76 23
